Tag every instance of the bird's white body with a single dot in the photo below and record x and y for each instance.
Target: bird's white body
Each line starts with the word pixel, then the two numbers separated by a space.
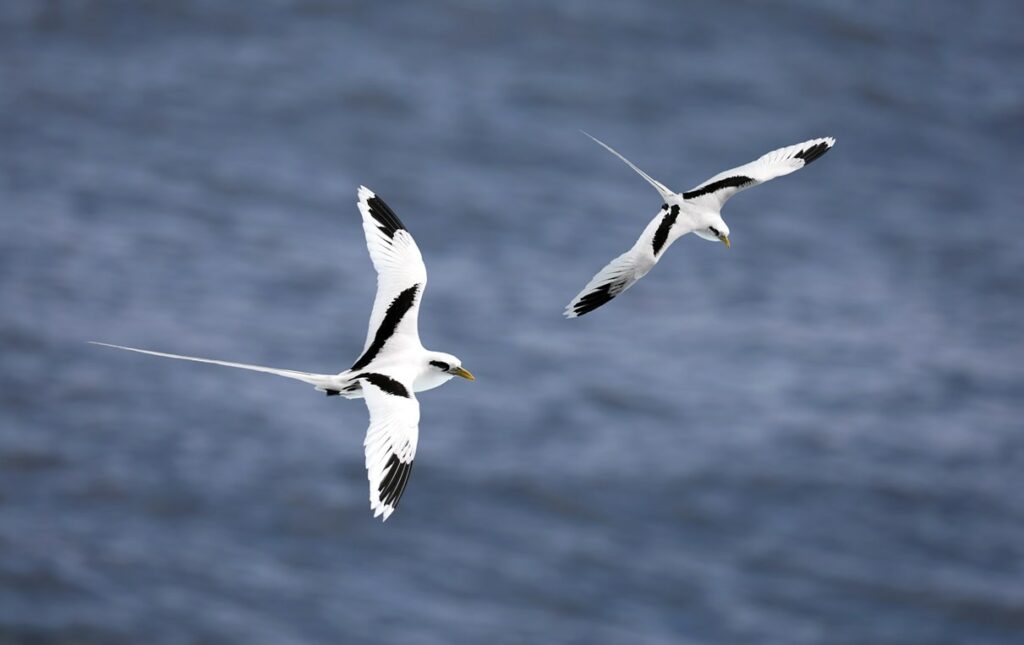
pixel 394 364
pixel 422 379
pixel 698 211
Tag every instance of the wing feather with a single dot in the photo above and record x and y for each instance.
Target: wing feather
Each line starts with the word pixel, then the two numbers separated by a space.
pixel 390 442
pixel 401 278
pixel 623 272
pixel 716 191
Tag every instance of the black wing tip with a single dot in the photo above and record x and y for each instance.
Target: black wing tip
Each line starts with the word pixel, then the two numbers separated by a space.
pixel 386 219
pixel 390 489
pixel 593 300
pixel 814 152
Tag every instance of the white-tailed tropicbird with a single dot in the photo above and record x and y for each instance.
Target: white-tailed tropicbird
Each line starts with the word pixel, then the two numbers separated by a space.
pixel 394 364
pixel 696 211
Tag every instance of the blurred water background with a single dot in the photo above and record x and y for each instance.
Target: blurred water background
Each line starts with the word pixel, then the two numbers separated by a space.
pixel 815 437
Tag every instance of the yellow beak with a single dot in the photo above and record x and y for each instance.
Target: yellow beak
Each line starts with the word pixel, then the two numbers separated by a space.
pixel 725 241
pixel 466 374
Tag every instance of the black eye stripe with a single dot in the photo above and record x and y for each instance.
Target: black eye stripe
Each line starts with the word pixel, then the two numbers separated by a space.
pixel 441 365
pixel 714 230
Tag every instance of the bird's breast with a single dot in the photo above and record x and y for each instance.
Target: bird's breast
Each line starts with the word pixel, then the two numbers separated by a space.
pixel 430 380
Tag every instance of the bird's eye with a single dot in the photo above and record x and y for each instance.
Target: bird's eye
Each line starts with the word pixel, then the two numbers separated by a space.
pixel 714 230
pixel 441 365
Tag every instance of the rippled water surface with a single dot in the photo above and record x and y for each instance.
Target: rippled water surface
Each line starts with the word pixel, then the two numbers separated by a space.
pixel 815 437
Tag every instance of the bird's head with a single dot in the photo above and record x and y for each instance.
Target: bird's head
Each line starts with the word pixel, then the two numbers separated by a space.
pixel 714 229
pixel 440 364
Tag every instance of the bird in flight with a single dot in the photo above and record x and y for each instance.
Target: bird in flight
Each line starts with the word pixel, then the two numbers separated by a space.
pixel 695 211
pixel 394 364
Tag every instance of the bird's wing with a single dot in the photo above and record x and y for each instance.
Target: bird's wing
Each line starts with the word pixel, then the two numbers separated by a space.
pixel 321 381
pixel 623 272
pixel 390 440
pixel 716 191
pixel 401 278
pixel 663 190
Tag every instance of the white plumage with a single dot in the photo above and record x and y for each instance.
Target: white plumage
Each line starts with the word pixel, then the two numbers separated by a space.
pixel 697 210
pixel 394 364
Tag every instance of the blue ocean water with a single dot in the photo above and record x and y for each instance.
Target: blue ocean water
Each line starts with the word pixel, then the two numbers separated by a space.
pixel 813 437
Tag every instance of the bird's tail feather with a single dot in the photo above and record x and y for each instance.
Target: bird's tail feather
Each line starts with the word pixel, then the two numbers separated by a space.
pixel 322 382
pixel 662 189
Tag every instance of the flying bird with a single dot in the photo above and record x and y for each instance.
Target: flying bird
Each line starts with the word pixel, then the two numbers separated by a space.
pixel 394 364
pixel 695 211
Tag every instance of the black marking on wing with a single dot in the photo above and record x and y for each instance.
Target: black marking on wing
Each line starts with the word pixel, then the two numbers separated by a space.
pixel 739 181
pixel 598 297
pixel 332 392
pixel 661 235
pixel 400 306
pixel 387 221
pixel 386 384
pixel 390 489
pixel 812 153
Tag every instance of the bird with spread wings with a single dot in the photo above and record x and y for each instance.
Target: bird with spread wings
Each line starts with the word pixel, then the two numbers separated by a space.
pixel 393 366
pixel 698 210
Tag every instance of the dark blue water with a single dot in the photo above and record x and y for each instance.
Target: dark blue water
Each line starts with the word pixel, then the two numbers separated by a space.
pixel 816 437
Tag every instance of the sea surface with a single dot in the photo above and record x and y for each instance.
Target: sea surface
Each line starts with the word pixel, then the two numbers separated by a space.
pixel 814 437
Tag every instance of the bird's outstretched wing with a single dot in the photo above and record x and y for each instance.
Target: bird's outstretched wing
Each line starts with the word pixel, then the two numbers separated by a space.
pixel 617 276
pixel 320 381
pixel 623 272
pixel 401 278
pixel 390 440
pixel 716 191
